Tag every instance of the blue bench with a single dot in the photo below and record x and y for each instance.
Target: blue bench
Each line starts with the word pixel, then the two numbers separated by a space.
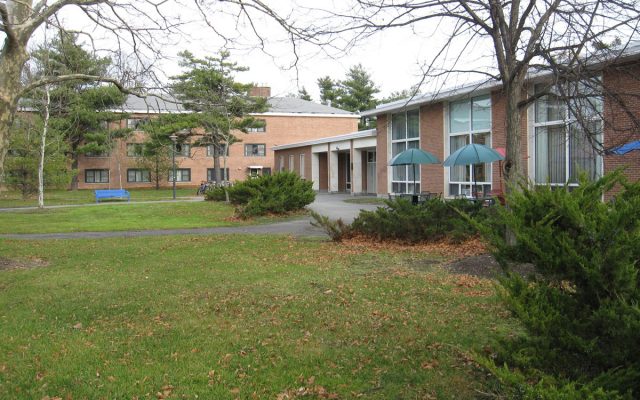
pixel 112 194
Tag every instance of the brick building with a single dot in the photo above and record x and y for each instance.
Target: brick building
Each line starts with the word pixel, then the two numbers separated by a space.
pixel 555 146
pixel 287 120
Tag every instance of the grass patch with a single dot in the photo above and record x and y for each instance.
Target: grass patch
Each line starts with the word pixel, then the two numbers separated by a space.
pixel 223 317
pixel 366 200
pixel 61 197
pixel 119 217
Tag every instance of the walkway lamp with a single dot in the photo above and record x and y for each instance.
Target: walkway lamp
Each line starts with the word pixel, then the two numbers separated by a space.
pixel 174 139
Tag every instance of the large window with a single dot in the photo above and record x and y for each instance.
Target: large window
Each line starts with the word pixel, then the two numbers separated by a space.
pixel 301 166
pixel 255 150
pixel 134 149
pixel 138 175
pixel 211 175
pixel 136 123
pixel 567 133
pixel 291 162
pixel 469 122
pixel 183 150
pixel 405 134
pixel 221 149
pixel 280 163
pixel 96 176
pixel 182 175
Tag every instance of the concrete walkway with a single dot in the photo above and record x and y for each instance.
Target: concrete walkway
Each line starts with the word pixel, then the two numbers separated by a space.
pixel 331 205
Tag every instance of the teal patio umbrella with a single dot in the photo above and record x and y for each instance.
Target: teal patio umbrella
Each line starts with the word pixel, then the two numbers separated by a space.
pixel 414 157
pixel 473 153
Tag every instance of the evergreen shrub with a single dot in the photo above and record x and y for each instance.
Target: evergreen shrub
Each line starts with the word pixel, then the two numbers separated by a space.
pixel 431 220
pixel 581 309
pixel 279 193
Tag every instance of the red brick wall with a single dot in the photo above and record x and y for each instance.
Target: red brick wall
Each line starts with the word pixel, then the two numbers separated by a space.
pixel 296 159
pixel 499 136
pixel 279 130
pixel 381 155
pixel 432 140
pixel 622 97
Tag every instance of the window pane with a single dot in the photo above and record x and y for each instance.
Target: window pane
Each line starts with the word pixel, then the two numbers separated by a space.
pixel 413 124
pixel 398 126
pixel 550 155
pixel 583 158
pixel 549 107
pixel 459 117
pixel 459 173
pixel 481 113
pixel 482 172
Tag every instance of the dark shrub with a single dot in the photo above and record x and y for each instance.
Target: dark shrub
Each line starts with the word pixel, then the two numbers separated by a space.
pixel 279 193
pixel 429 221
pixel 337 230
pixel 581 309
pixel 215 194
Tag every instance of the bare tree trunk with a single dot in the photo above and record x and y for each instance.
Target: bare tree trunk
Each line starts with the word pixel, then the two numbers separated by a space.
pixel 513 168
pixel 43 147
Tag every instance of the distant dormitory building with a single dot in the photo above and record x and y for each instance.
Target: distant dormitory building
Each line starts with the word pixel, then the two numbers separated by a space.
pixel 287 120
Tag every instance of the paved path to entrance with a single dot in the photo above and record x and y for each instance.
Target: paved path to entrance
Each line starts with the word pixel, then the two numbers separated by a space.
pixel 331 205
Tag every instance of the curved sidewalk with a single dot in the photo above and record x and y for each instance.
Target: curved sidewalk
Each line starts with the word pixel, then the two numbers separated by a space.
pixel 331 205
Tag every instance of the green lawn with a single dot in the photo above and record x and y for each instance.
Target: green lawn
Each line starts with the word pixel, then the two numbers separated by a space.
pixel 366 200
pixel 57 197
pixel 118 217
pixel 224 317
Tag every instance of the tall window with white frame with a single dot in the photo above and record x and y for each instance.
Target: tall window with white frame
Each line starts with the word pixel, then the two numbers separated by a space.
pixel 469 122
pixel 405 134
pixel 302 166
pixel 567 135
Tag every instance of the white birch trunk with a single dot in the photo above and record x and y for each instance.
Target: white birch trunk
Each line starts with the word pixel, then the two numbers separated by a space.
pixel 43 147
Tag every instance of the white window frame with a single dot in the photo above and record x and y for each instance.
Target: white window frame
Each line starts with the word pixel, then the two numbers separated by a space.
pixel 465 187
pixel 565 124
pixel 292 163
pixel 255 153
pixel 280 163
pixel 407 182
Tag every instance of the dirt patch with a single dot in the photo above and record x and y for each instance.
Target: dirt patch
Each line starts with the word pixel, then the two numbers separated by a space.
pixel 444 248
pixel 485 266
pixel 9 263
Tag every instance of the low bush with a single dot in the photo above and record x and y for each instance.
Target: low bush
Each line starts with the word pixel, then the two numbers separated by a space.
pixel 279 193
pixel 429 221
pixel 215 194
pixel 337 230
pixel 580 310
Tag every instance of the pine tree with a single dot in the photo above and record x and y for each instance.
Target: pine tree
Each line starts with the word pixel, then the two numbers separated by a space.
pixel 220 104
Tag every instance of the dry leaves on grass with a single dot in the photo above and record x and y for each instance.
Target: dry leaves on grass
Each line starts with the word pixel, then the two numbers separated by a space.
pixel 444 248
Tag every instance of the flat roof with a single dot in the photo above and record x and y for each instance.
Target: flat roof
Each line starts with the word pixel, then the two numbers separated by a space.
pixel 629 53
pixel 349 136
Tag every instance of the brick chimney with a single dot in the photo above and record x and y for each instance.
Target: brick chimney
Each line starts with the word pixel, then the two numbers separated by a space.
pixel 260 91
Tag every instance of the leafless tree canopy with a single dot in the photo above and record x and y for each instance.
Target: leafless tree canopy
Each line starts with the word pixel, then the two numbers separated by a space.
pixel 505 41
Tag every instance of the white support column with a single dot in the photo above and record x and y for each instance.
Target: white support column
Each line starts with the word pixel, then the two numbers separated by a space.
pixel 356 173
pixel 315 170
pixel 333 171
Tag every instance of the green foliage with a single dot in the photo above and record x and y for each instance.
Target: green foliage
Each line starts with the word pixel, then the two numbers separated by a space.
pixel 21 165
pixel 431 220
pixel 220 104
pixel 79 109
pixel 336 229
pixel 514 385
pixel 580 310
pixel 215 193
pixel 279 193
pixel 304 95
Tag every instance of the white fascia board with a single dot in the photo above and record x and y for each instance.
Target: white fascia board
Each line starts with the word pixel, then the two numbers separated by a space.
pixel 364 143
pixel 276 114
pixel 338 138
pixel 320 148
